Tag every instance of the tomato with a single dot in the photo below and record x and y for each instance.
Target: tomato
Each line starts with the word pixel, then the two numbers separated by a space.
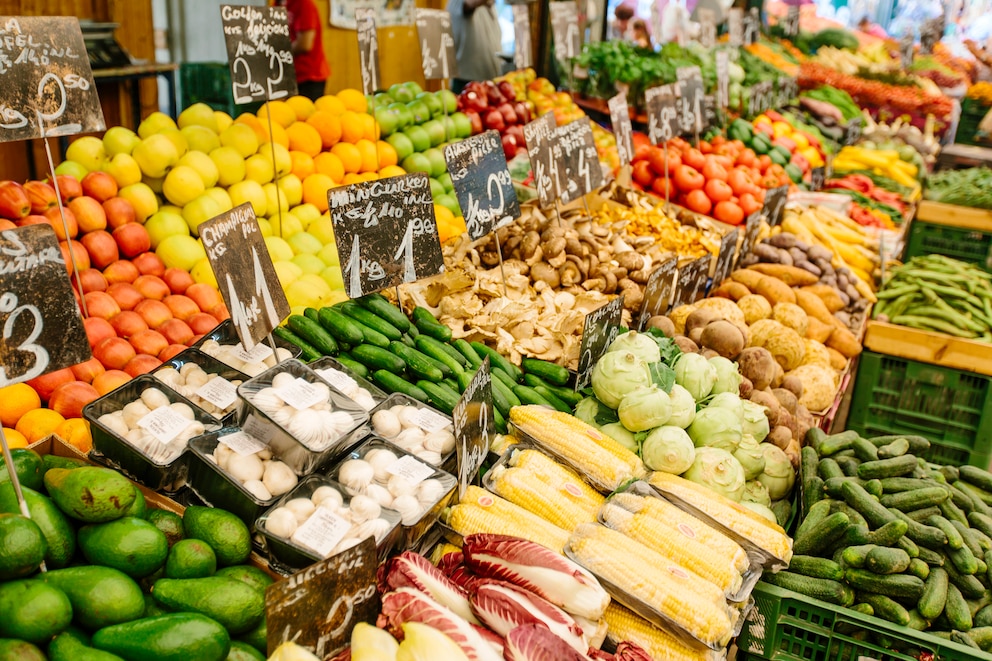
pixel 661 186
pixel 642 152
pixel 705 147
pixel 642 173
pixel 698 202
pixel 717 141
pixel 717 190
pixel 764 162
pixel 694 159
pixel 749 204
pixel 728 212
pixel 639 139
pixel 739 181
pixel 657 160
pixel 687 179
pixel 768 181
pixel 747 158
pixel 713 170
pixel 725 160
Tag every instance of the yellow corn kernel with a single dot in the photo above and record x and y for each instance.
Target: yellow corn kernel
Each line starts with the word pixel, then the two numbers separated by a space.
pixel 556 474
pixel 624 624
pixel 442 550
pixel 483 512
pixel 552 503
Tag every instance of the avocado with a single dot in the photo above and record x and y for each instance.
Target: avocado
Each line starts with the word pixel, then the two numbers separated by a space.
pixel 258 637
pixel 131 545
pixel 54 525
pixel 174 637
pixel 168 522
pixel 73 645
pixel 152 609
pixel 50 461
pixel 100 596
pixel 27 466
pixel 91 494
pixel 237 606
pixel 226 534
pixel 244 652
pixel 190 558
pixel 253 576
pixel 32 610
pixel 18 650
pixel 139 508
pixel 22 546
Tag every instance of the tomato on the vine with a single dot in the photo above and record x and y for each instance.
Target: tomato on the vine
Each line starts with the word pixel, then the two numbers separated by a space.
pixel 697 201
pixel 687 179
pixel 718 191
pixel 729 213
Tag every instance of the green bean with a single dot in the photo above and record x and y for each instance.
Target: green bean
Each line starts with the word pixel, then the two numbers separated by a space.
pixel 895 292
pixel 929 323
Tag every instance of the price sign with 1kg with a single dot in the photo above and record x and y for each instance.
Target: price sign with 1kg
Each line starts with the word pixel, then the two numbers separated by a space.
pixel 692 281
pixel 437 45
pixel 540 134
pixel 482 183
pixel 752 26
pixel 620 120
pixel 41 329
pixel 245 275
pixel 735 27
pixel 259 53
pixel 852 132
pixel 368 49
pixel 386 232
pixel 727 258
pixel 521 32
pixel 48 87
pixel 575 149
pixel 663 113
pixel 658 291
pixel 473 420
pixel 775 199
pixel 565 30
pixel 601 327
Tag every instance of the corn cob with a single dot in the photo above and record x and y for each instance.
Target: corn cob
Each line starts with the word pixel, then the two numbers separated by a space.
pixel 482 512
pixel 667 541
pixel 443 549
pixel 665 513
pixel 644 575
pixel 603 460
pixel 555 503
pixel 747 524
pixel 625 624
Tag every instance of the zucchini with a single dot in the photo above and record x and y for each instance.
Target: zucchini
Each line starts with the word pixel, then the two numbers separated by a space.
pixel 983 618
pixel 828 468
pixel 823 589
pixel 896 448
pixel 440 396
pixel 555 374
pixel 892 485
pixel 551 398
pixel 427 323
pixel 836 443
pixel 918 568
pixel 976 476
pixel 893 467
pixel 917 444
pixel 908 545
pixel 369 319
pixel 814 567
pixel 951 511
pixel 355 366
pixel 313 333
pixel 956 609
pixel 434 349
pixel 378 305
pixel 308 352
pixel 848 465
pixel 963 560
pixel 908 501
pixel 376 358
pixel 931 557
pixel 465 349
pixel 416 362
pixel 856 496
pixel 894 585
pixel 931 603
pixel 886 608
pixel 885 560
pixel 874 487
pixel 819 538
pixel 954 539
pixel 390 382
pixel 856 556
pixel 864 450
pixel 342 327
pixel 924 535
pixel 496 359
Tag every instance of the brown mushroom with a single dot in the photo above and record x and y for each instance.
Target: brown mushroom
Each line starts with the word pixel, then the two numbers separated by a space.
pixel 630 260
pixel 569 274
pixel 543 272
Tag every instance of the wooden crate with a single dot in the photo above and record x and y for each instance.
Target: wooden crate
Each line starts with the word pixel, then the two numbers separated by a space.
pixel 929 347
pixel 953 215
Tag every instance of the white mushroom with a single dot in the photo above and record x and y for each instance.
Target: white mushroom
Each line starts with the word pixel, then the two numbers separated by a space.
pixel 364 508
pixel 325 496
pixel 301 508
pixel 386 424
pixel 278 477
pixel 153 398
pixel 281 522
pixel 257 489
pixel 245 468
pixel 356 474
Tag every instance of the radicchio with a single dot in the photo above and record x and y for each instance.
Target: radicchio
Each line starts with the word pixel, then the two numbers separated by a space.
pixel 503 607
pixel 534 642
pixel 449 562
pixel 409 605
pixel 411 570
pixel 628 651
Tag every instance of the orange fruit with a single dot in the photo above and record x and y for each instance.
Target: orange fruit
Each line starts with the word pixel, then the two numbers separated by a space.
pixel 330 164
pixel 352 127
pixel 279 135
pixel 302 164
pixel 304 138
pixel 353 100
pixel 253 122
pixel 387 154
pixel 15 439
pixel 369 154
pixel 282 113
pixel 76 432
pixel 391 171
pixel 315 189
pixel 352 178
pixel 15 401
pixel 350 157
pixel 38 423
pixel 368 176
pixel 329 103
pixel 328 126
pixel 302 106
pixel 370 130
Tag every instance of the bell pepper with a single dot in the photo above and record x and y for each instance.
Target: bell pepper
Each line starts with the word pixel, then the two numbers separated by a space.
pixel 800 162
pixel 786 142
pixel 774 116
pixel 761 119
pixel 812 155
pixel 779 155
pixel 760 143
pixel 795 174
pixel 800 139
pixel 765 128
pixel 780 129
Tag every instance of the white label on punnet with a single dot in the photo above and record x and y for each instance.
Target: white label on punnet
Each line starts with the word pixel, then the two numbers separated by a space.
pixel 322 531
pixel 430 421
pixel 338 379
pixel 220 392
pixel 164 424
pixel 408 467
pixel 258 353
pixel 243 444
pixel 300 394
pixel 258 428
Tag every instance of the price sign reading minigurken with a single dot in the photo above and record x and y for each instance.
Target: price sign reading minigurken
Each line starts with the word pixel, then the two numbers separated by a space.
pixel 259 52
pixel 482 183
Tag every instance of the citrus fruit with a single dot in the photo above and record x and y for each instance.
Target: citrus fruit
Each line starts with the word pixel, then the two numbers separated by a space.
pixel 15 401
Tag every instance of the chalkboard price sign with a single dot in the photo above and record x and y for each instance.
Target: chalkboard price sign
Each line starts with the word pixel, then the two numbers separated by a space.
pixel 620 120
pixel 575 149
pixel 663 113
pixel 245 275
pixel 817 175
pixel 707 28
pixel 473 422
pixel 735 27
pixel 539 135
pixel 723 78
pixel 565 30
pixel 42 328
pixel 437 45
pixel 48 87
pixel 727 258
pixel 906 49
pixel 692 280
pixel 658 291
pixel 752 26
pixel 601 327
pixel 690 98
pixel 775 199
pixel 852 132
pixel 318 607
pixel 522 57
pixel 791 25
pixel 752 226
pixel 259 52
pixel 482 183
pixel 788 89
pixel 368 48
pixel 386 233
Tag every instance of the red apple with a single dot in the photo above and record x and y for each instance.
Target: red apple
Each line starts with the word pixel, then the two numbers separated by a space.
pixel 149 263
pixel 205 296
pixel 14 202
pixel 70 398
pixel 89 214
pixel 119 212
pixel 178 280
pixel 155 313
pixel 202 323
pixel 171 351
pixel 510 146
pixel 88 369
pixel 69 187
pixel 493 120
pixel 123 270
pixel 30 219
pixel 151 286
pixel 183 307
pixel 506 89
pixel 41 196
pixel 132 239
pixel 101 304
pixel 64 222
pixel 474 101
pixel 509 114
pixel 114 353
pixel 98 328
pixel 475 120
pixel 149 342
pixel 523 114
pixel 176 331
pixel 493 95
pixel 141 364
pixel 76 260
pixel 92 280
pixel 110 380
pixel 126 294
pixel 45 384
pixel 101 247
pixel 99 185
pixel 128 323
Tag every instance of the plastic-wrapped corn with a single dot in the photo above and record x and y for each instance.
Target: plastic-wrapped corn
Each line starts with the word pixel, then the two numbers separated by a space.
pixel 483 512
pixel 624 624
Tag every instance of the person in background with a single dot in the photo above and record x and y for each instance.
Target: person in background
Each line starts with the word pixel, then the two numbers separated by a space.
pixel 306 36
pixel 874 29
pixel 639 33
pixel 620 25
pixel 477 41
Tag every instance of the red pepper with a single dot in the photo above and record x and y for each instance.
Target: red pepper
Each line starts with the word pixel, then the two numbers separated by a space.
pixel 800 162
pixel 765 128
pixel 785 142
pixel 774 116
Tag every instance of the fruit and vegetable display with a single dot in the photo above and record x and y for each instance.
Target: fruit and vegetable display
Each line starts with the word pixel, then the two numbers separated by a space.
pixel 968 187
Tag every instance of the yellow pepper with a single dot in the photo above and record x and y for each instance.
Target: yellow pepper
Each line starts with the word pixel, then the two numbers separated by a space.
pixel 781 129
pixel 761 119
pixel 800 140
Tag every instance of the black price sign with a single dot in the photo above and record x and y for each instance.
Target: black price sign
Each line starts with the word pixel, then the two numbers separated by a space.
pixel 300 608
pixel 725 260
pixel 752 226
pixel 386 232
pixel 522 57
pixel 906 49
pixel 473 421
pixel 722 78
pixel 601 327
pixel 437 46
pixel 775 199
pixel 707 28
pixel 482 183
pixel 692 281
pixel 48 87
pixel 816 177
pixel 539 135
pixel 788 89
pixel 735 27
pixel 663 113
pixel 791 25
pixel 575 149
pixel 42 328
pixel 690 98
pixel 752 26
pixel 565 30
pixel 852 133
pixel 622 129
pixel 259 52
pixel 368 49
pixel 759 100
pixel 658 292
pixel 245 275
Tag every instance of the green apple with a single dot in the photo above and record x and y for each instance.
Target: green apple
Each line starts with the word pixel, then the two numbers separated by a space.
pixel 287 271
pixel 283 161
pixel 88 151
pixel 304 243
pixel 259 168
pixel 309 263
pixel 249 191
pixel 322 229
pixel 120 140
pixel 155 155
pixel 275 201
pixel 333 277
pixel 181 252
pixel 155 123
pixel 329 255
pixel 204 166
pixel 241 137
pixel 264 226
pixel 182 185
pixel 198 114
pixel 200 138
pixel 72 168
pixel 223 199
pixel 124 169
pixel 142 198
pixel 164 224
pixel 279 249
pixel 307 213
pixel 200 210
pixel 230 165
pixel 292 188
pixel 286 227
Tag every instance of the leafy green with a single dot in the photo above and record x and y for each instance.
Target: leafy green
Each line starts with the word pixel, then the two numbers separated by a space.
pixel 670 351
pixel 971 187
pixel 662 376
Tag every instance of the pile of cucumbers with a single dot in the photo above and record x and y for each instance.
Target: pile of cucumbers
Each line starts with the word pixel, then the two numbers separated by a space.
pixel 889 534
pixel 417 356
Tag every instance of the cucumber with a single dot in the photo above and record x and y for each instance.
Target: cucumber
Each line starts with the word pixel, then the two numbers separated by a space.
pixel 917 622
pixel 976 476
pixel 836 443
pixel 892 485
pixel 377 304
pixel 864 609
pixel 818 539
pixel 962 499
pixel 496 359
pixel 817 513
pixel 370 319
pixel 964 638
pixel 917 444
pixel 503 377
pixel 370 335
pixel 465 349
pixel 908 501
pixel 355 366
pixel 978 503
pixel 908 545
pixel 313 333
pixel 864 450
pixel 923 514
pixel 340 326
pixel 782 509
pixel 954 539
pixel 885 560
pixel 551 398
pixel 856 535
pixel 856 556
pixel 555 374
pixel 499 421
pixel 931 603
pixel 848 465
pixel 970 538
pixel 440 396
pixel 950 473
pixel 983 618
pixel 963 560
pixel 894 467
pixel 311 313
pixel 951 511
pixel 981 636
pixel 852 514
pixel 988 567
pixel 896 448
pixel 814 567
pixel 874 487
pixel 894 585
pixel 833 486
pixel 308 352
pixel 924 535
pixel 971 587
pixel 828 468
pixel 464 378
pixel 956 609
pixel 566 395
pixel 503 398
pixel 434 349
pixel 390 382
pixel 451 384
pixel 824 589
pixel 408 340
pixel 856 496
pixel 528 395
pixel 427 323
pixel 416 362
pixel 888 534
pixel 918 568
pixel 378 359
pixel 981 522
pixel 812 491
pixel 886 608
pixel 931 557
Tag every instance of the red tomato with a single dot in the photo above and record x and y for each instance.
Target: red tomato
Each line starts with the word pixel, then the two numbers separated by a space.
pixel 726 160
pixel 717 190
pixel 717 141
pixel 705 147
pixel 764 162
pixel 642 173
pixel 694 159
pixel 713 170
pixel 687 179
pixel 749 204
pixel 639 139
pixel 698 202
pixel 739 181
pixel 768 181
pixel 657 160
pixel 662 185
pixel 729 213
pixel 747 158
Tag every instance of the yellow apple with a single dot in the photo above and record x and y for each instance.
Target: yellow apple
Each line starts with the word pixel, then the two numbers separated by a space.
pixel 258 168
pixel 275 201
pixel 198 114
pixel 249 191
pixel 124 169
pixel 88 151
pixel 200 138
pixel 230 165
pixel 241 137
pixel 155 183
pixel 283 161
pixel 221 196
pixel 177 139
pixel 155 123
pixel 181 252
pixel 292 188
pixel 201 209
pixel 279 250
pixel 307 213
pixel 203 273
pixel 71 168
pixel 142 198
pixel 329 255
pixel 287 271
pixel 289 226
pixel 204 166
pixel 164 224
pixel 223 120
pixel 120 140
pixel 182 185
pixel 155 155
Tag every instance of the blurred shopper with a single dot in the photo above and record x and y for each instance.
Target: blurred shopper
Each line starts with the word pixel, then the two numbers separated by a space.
pixel 477 34
pixel 620 28
pixel 639 33
pixel 306 36
pixel 874 29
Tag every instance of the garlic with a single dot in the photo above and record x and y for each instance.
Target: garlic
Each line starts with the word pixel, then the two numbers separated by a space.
pixel 281 522
pixel 356 474
pixel 245 468
pixel 278 477
pixel 302 508
pixel 257 489
pixel 386 423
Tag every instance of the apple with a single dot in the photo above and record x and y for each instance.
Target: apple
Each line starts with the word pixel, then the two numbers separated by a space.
pixel 89 213
pixel 124 169
pixel 259 168
pixel 120 140
pixel 506 89
pixel 149 342
pixel 151 286
pixel 70 168
pixel 114 353
pixel 183 307
pixel 141 364
pixel 156 123
pixel 221 197
pixel 284 162
pixel 509 114
pixel 493 120
pixel 202 209
pixel 176 331
pixel 220 312
pixel 97 328
pixel 171 351
pixel 510 146
pixel 92 280
pixel 122 270
pixel 88 369
pixel 198 114
pixel 88 151
pixel 76 259
pixel 181 251
pixel 149 264
pixel 493 95
pixel 101 304
pixel 127 323
pixel 204 166
pixel 204 296
pixel 155 155
pixel 119 212
pixel 41 196
pixel 132 239
pixel 155 313
pixel 110 380
pixel 142 198
pixel 178 280
pixel 476 120
pixel 182 185
pixel 523 114
pixel 249 191
pixel 241 137
pixel 101 247
pixel 14 202
pixel 63 221
pixel 99 185
pixel 46 384
pixel 230 165
pixel 472 100
pixel 69 398
pixel 126 295
pixel 164 224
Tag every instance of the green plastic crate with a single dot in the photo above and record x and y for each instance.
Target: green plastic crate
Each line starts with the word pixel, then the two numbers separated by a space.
pixel 971 246
pixel 950 407
pixel 206 82
pixel 787 626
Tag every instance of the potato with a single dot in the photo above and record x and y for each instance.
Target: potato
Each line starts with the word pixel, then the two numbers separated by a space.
pixel 686 345
pixel 790 275
pixel 804 421
pixel 758 366
pixel 827 295
pixel 780 437
pixel 774 290
pixel 767 399
pixel 844 342
pixel 723 337
pixel 755 308
pixel 792 316
pixel 678 317
pixel 793 385
pixel 698 320
pixel 786 398
pixel 817 330
pixel 746 388
pixel 814 307
pixel 662 323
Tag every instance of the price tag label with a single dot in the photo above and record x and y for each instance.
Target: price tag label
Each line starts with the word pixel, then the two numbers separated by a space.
pixel 42 328
pixel 218 391
pixel 692 280
pixel 723 78
pixel 575 149
pixel 164 423
pixel 540 134
pixel 257 354
pixel 735 27
pixel 726 259
pixel 317 607
pixel 906 43
pixel 386 232
pixel 408 467
pixel 259 52
pixel 522 53
pixel 791 25
pixel 473 420
pixel 759 100
pixel 242 443
pixel 430 421
pixel 482 183
pixel 437 45
pixel 817 175
pixel 246 277
pixel 368 49
pixel 775 199
pixel 301 394
pixel 658 291
pixel 752 26
pixel 337 378
pixel 852 132
pixel 601 327
pixel 322 531
pixel 622 129
pixel 752 226
pixel 48 87
pixel 707 28
pixel 565 30
pixel 663 113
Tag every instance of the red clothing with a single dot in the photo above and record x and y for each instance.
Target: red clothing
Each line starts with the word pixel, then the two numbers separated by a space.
pixel 312 65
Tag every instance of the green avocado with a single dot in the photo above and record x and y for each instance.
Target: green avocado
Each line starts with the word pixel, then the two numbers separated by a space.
pixel 130 545
pixel 100 596
pixel 91 494
pixel 236 605
pixel 174 637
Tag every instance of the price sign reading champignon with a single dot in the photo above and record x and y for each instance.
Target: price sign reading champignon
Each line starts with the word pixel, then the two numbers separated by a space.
pixel 245 275
pixel 575 149
pixel 692 281
pixel 473 422
pixel 775 199
pixel 437 46
pixel 663 113
pixel 299 609
pixel 522 57
pixel 482 183
pixel 726 259
pixel 565 30
pixel 368 48
pixel 47 83
pixel 42 328
pixel 540 134
pixel 601 327
pixel 259 52
pixel 386 232
pixel 620 119
pixel 658 291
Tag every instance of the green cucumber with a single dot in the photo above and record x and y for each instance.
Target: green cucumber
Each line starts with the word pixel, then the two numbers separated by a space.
pixel 874 487
pixel 832 487
pixel 313 333
pixel 951 511
pixel 817 513
pixel 818 539
pixel 427 323
pixel 828 468
pixel 976 476
pixel 893 585
pixel 434 349
pixel 908 501
pixel 917 444
pixel 370 319
pixel 823 589
pixel 503 397
pixel 970 585
pixel 502 377
pixel 908 545
pixel 311 313
pixel 814 567
pixel 551 398
pixel 836 443
pixel 308 352
pixel 894 467
pixel 923 514
pixel 956 609
pixel 408 340
pixel 964 638
pixel 856 556
pixel 970 538
pixel 466 350
pixel 886 608
pixel 931 557
pixel 917 622
pixel 416 362
pixel 924 535
pixel 377 304
pixel 440 396
pixel 451 384
pixel 856 496
pixel 885 560
pixel 963 499
pixel 954 539
pixel 812 491
pixel 981 636
pixel 528 395
pixel 342 327
pixel 555 374
pixel 849 465
pixel 496 359
pixel 888 534
pixel 931 603
pixel 565 394
pixel 983 618
pixel 963 560
pixel 896 448
pixel 864 450
pixel 376 358
pixel 918 568
pixel 391 382
pixel 892 485
pixel 981 522
pixel 977 495
pixel 864 609
pixel 499 421
pixel 355 366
